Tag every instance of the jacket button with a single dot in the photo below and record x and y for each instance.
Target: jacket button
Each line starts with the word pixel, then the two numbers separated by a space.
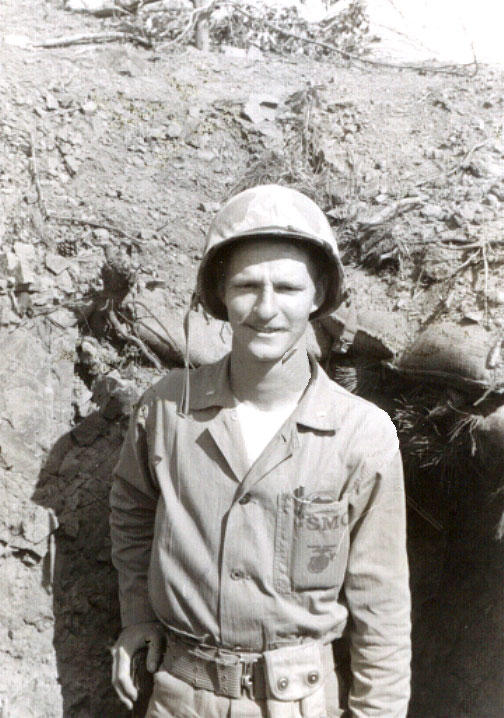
pixel 313 677
pixel 237 574
pixel 244 499
pixel 282 683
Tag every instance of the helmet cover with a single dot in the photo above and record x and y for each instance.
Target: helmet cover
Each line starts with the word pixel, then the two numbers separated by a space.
pixel 269 211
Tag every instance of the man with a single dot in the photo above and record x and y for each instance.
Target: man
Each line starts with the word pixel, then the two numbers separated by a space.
pixel 257 507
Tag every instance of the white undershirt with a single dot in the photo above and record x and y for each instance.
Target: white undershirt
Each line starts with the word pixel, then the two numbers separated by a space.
pixel 259 426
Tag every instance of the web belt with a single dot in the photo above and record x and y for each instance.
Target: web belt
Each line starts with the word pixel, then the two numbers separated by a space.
pixel 224 672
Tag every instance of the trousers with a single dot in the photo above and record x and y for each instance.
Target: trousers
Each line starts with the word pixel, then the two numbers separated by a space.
pixel 174 698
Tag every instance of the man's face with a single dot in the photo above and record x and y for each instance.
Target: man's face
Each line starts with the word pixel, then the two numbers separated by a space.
pixel 269 292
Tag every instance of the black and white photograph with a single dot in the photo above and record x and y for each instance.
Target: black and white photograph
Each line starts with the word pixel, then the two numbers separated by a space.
pixel 251 359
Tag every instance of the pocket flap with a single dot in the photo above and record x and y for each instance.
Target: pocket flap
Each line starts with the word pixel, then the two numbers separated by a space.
pixel 294 672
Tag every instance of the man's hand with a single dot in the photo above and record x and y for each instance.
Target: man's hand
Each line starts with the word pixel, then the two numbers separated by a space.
pixel 131 640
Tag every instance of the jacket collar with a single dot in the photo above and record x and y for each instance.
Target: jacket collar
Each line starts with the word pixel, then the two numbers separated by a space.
pixel 209 387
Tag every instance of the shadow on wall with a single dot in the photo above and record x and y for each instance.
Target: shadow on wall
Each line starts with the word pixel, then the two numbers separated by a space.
pixel 458 626
pixel 74 483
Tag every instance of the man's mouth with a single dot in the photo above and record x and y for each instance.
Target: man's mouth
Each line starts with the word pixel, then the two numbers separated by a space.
pixel 264 330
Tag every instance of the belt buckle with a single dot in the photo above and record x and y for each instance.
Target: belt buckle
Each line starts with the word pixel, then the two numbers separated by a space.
pixel 247 679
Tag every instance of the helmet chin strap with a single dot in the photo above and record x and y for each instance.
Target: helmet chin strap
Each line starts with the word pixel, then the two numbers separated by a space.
pixel 183 407
pixel 290 352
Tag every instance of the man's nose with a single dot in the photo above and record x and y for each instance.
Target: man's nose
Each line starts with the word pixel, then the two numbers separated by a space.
pixel 265 306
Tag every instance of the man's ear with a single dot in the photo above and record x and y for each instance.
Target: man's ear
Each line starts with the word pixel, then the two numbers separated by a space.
pixel 221 288
pixel 320 291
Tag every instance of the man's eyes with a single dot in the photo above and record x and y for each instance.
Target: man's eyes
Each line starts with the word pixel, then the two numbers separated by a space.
pixel 253 286
pixel 288 288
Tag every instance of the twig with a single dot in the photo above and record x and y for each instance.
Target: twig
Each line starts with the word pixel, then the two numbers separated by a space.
pixel 465 264
pixel 464 244
pixel 457 168
pixel 68 167
pixel 485 266
pixel 133 340
pixel 167 339
pixel 388 213
pixel 93 38
pixel 96 225
pixel 197 15
pixel 123 8
pixel 35 176
pixel 424 514
pixel 347 55
pixel 477 146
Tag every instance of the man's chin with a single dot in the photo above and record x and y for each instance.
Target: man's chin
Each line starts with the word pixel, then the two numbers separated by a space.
pixel 266 354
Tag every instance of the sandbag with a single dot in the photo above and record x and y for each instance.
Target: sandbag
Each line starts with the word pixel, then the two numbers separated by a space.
pixel 341 325
pixel 467 357
pixel 380 334
pixel 161 326
pixel 490 439
pixel 368 332
pixel 490 432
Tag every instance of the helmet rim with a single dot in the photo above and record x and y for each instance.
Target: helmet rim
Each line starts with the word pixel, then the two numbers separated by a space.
pixel 213 304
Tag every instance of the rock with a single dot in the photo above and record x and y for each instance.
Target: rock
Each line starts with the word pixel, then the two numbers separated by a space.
pixel 65 318
pixel 491 200
pixel 55 263
pixel 37 524
pixel 25 251
pixel 254 53
pixel 473 316
pixel 234 52
pixel 101 235
pixel 16 40
pixel 210 207
pixel 118 275
pixel 497 191
pixel 147 233
pixel 205 155
pixel 177 4
pixel 183 260
pixel 433 211
pixel 26 256
pixel 114 395
pixel 72 164
pixel 88 431
pixel 65 282
pixel 260 108
pixel 174 130
pixel 157 133
pixel 89 6
pixel 496 296
pixel 51 102
pixel 89 107
pixel 9 262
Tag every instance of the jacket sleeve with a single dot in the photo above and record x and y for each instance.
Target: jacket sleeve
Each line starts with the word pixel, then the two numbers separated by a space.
pixel 377 581
pixel 133 501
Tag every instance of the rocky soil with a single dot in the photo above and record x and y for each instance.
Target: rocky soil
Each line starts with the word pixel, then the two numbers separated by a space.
pixel 114 158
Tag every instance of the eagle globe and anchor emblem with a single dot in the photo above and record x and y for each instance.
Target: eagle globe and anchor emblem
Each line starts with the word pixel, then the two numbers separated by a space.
pixel 321 558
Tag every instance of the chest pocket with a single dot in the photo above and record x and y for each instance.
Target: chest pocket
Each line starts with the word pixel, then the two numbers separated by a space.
pixel 312 542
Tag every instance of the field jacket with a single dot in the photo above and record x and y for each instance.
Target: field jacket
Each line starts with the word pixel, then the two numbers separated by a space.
pixel 307 540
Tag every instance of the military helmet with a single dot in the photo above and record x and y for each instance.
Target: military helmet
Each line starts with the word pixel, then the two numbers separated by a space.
pixel 269 211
